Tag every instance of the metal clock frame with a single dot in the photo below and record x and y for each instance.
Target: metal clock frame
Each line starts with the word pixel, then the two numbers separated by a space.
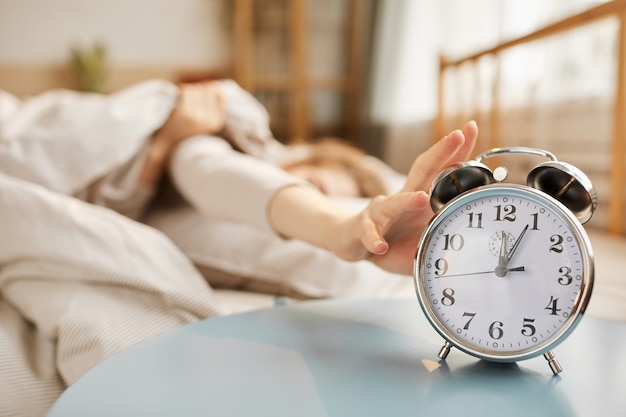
pixel 580 304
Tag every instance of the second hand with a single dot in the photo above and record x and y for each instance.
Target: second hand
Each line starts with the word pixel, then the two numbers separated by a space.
pixel 516 269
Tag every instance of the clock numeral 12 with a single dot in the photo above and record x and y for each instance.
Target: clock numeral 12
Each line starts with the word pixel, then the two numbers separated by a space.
pixel 509 213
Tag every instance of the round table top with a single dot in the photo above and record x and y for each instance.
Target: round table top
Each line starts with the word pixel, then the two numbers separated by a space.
pixel 345 358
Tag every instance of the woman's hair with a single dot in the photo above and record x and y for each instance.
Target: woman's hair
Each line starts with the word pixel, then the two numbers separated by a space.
pixel 329 151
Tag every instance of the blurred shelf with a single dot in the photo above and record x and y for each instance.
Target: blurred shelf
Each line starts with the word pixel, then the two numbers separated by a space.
pixel 288 52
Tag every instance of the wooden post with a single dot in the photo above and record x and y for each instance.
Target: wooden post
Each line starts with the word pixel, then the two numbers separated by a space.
pixel 242 40
pixel 495 140
pixel 617 194
pixel 354 95
pixel 440 117
pixel 299 55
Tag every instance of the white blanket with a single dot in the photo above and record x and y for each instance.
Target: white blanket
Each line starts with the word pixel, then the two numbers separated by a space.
pixel 79 283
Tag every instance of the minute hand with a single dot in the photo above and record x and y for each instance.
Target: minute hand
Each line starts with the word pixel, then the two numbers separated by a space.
pixel 515 245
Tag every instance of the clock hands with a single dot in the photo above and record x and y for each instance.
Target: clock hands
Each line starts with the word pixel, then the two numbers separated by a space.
pixel 516 269
pixel 516 244
pixel 504 258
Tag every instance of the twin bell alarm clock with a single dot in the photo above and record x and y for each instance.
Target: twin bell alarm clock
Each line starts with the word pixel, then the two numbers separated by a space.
pixel 504 271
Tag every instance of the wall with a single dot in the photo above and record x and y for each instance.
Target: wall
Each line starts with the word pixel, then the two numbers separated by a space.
pixel 145 39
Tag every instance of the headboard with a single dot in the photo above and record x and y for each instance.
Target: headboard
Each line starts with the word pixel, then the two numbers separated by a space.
pixel 616 9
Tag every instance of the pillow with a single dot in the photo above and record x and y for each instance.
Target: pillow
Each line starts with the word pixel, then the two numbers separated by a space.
pixel 236 256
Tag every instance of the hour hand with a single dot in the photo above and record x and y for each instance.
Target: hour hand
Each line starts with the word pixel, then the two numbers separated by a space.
pixel 503 258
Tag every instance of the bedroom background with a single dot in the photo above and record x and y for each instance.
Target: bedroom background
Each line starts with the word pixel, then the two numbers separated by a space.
pixel 363 70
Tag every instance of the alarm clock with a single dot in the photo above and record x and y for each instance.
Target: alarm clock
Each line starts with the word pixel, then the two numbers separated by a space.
pixel 504 271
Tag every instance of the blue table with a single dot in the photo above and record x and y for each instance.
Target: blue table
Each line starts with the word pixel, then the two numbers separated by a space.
pixel 346 358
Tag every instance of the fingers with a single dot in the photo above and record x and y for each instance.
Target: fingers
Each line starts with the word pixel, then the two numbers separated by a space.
pixel 457 146
pixel 383 212
pixel 470 132
pixel 429 163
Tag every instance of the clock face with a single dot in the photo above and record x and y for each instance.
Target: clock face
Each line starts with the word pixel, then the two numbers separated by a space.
pixel 504 272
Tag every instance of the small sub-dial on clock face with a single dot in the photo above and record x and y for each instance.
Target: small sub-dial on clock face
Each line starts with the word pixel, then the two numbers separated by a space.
pixel 495 241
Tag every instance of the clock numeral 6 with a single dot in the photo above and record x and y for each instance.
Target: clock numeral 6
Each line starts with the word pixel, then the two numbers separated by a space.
pixel 495 330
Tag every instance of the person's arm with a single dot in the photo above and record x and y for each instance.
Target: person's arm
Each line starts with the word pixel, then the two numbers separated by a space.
pixel 200 110
pixel 226 184
pixel 388 230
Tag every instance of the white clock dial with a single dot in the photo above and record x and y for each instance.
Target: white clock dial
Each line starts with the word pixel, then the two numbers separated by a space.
pixel 504 272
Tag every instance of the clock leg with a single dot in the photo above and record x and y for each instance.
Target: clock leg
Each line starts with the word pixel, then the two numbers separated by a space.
pixel 554 364
pixel 445 349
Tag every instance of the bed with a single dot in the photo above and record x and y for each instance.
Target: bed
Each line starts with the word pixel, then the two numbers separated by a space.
pixel 80 282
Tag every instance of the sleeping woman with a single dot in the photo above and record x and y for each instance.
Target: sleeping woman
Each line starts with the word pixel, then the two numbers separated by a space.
pixel 80 282
pixel 113 151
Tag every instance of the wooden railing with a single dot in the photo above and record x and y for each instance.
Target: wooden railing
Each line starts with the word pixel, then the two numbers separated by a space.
pixel 612 9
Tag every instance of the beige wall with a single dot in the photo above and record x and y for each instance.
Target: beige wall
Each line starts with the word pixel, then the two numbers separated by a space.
pixel 144 38
pixel 24 80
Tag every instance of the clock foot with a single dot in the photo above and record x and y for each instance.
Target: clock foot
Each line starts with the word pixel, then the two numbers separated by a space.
pixel 554 364
pixel 445 349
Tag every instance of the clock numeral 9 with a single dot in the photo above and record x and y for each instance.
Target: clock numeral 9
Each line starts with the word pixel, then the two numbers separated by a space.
pixel 441 266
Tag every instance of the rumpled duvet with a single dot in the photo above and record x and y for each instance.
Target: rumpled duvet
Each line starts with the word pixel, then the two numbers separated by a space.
pixel 79 283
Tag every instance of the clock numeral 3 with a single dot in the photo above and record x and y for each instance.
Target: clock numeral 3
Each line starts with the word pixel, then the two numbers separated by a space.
pixel 565 278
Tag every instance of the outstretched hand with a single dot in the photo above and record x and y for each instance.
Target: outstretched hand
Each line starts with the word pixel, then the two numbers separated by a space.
pixel 388 230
